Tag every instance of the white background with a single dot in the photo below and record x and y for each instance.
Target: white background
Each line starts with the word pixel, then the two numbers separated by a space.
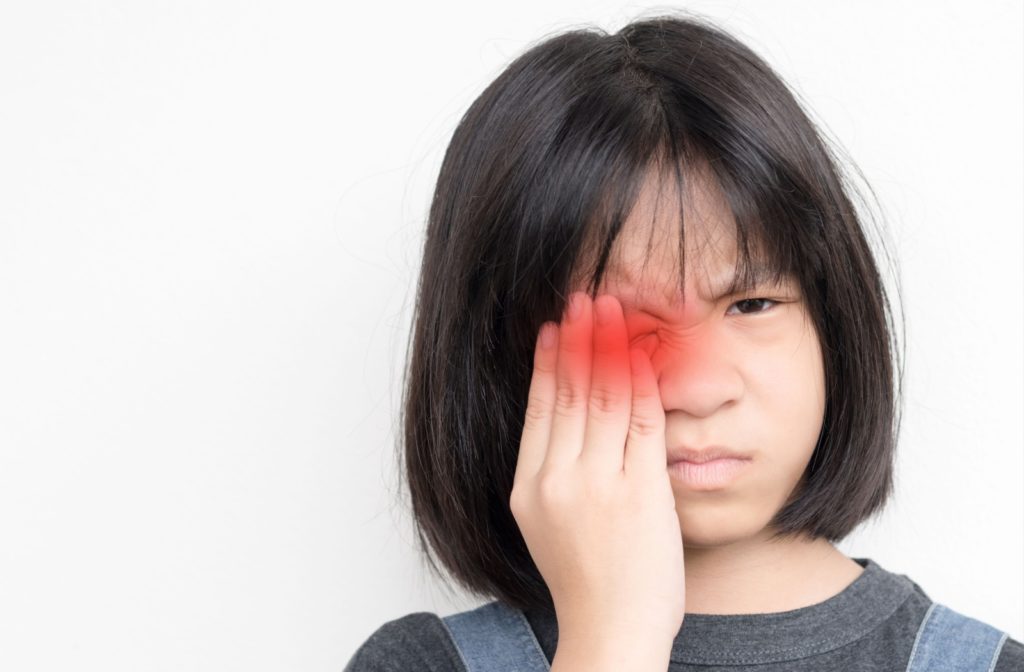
pixel 210 221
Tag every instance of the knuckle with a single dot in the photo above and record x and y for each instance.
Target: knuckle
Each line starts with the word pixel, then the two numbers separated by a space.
pixel 604 402
pixel 517 502
pixel 568 398
pixel 536 413
pixel 641 425
pixel 553 490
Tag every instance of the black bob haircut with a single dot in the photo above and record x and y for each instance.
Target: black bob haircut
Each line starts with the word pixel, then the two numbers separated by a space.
pixel 541 171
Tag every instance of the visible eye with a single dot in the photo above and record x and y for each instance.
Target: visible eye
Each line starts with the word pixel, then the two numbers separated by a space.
pixel 752 306
pixel 756 302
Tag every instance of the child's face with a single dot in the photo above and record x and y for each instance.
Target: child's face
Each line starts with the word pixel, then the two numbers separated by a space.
pixel 747 375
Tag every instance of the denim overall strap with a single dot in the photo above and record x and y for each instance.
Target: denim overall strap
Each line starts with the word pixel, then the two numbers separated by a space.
pixel 948 641
pixel 496 638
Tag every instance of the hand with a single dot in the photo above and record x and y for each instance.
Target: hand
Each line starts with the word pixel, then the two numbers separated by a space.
pixel 591 494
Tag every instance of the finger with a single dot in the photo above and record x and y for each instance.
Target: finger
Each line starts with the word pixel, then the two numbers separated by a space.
pixel 645 442
pixel 608 408
pixel 572 385
pixel 540 404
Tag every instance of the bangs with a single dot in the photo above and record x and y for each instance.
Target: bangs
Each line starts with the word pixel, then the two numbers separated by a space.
pixel 766 230
pixel 539 178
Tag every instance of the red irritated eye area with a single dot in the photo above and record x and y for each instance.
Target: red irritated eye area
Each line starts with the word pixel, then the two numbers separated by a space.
pixel 646 342
pixel 643 333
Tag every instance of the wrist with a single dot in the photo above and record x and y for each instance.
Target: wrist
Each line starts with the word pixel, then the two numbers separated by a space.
pixel 602 653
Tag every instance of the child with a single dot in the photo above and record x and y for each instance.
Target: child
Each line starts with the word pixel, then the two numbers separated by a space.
pixel 653 381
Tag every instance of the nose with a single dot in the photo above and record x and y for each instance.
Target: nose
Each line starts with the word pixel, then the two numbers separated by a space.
pixel 697 372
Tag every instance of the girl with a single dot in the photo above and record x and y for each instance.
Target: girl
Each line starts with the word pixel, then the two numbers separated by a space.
pixel 653 381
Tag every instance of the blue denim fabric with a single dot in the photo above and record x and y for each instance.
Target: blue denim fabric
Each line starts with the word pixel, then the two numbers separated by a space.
pixel 948 641
pixel 497 638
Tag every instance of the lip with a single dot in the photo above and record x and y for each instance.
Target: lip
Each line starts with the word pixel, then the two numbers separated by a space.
pixel 709 475
pixel 702 455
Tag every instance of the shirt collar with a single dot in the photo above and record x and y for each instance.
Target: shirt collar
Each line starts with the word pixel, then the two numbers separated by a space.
pixel 712 639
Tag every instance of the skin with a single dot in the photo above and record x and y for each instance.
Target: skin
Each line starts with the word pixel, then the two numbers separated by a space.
pixel 749 376
pixel 626 550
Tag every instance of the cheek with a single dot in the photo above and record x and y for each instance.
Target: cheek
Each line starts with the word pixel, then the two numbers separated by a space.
pixel 784 367
pixel 791 396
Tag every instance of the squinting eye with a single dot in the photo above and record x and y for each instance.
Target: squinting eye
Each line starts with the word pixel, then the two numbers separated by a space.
pixel 748 302
pixel 644 340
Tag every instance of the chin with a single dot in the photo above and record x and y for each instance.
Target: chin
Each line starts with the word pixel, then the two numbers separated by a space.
pixel 716 526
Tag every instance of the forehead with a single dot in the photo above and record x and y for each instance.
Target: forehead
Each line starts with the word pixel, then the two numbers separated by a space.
pixel 647 249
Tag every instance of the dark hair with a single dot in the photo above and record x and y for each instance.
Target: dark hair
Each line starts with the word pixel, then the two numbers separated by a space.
pixel 542 170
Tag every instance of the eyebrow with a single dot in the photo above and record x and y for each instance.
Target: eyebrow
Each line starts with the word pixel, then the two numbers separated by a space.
pixel 761 272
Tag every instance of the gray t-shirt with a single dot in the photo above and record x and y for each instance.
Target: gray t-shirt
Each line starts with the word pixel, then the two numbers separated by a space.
pixel 870 625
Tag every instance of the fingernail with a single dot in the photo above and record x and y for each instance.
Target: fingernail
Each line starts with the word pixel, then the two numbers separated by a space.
pixel 575 306
pixel 547 335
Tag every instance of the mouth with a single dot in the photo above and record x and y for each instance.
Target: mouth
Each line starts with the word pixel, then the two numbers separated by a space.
pixel 704 455
pixel 708 475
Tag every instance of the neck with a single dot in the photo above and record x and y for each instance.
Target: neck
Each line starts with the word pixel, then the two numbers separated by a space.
pixel 755 576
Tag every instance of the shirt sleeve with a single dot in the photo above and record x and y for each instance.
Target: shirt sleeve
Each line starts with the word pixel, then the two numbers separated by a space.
pixel 1011 657
pixel 417 642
